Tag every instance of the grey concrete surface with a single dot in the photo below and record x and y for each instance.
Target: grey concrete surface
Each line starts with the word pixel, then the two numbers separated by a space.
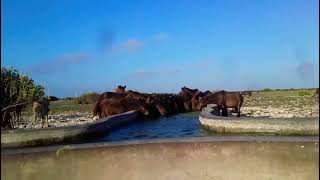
pixel 32 137
pixel 196 158
pixel 284 126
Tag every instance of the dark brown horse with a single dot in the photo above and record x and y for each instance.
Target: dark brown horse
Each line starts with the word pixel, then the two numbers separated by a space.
pixel 224 100
pixel 109 95
pixel 188 92
pixel 120 89
pixel 195 100
pixel 108 107
pixel 137 95
pixel 246 93
pixel 119 102
pixel 157 101
pixel 206 93
pixel 187 95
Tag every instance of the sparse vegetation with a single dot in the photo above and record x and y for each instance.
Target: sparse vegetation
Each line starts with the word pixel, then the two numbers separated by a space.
pixel 304 93
pixel 267 90
pixel 68 98
pixel 87 98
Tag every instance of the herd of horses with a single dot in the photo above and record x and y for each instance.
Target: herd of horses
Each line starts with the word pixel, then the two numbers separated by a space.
pixel 163 104
pixel 148 104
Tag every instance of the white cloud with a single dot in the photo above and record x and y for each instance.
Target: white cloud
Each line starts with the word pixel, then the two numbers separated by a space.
pixel 130 45
pixel 133 45
pixel 61 63
pixel 162 36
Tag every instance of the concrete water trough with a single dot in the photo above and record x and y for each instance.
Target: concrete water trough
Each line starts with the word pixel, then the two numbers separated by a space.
pixel 282 126
pixel 35 137
pixel 220 157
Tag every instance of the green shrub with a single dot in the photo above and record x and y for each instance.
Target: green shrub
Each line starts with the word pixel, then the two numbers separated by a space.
pixel 16 88
pixel 304 93
pixel 267 90
pixel 53 98
pixel 87 98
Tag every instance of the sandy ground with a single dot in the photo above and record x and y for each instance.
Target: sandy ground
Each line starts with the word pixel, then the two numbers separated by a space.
pixel 279 106
pixel 255 106
pixel 60 120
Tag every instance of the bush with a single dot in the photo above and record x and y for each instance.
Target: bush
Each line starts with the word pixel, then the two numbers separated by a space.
pixel 267 90
pixel 304 93
pixel 16 89
pixel 87 98
pixel 68 98
pixel 53 98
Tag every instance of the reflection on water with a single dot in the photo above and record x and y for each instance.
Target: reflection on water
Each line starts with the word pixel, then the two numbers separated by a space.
pixel 181 125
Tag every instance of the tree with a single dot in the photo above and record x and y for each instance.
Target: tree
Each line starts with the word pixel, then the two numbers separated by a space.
pixel 16 89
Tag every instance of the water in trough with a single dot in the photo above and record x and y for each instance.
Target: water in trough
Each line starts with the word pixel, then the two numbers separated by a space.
pixel 181 125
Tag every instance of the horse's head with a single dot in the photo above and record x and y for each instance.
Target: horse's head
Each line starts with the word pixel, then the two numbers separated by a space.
pixel 150 100
pixel 120 89
pixel 203 101
pixel 201 105
pixel 143 109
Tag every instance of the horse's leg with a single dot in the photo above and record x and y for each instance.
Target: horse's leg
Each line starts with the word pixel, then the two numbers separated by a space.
pixel 225 112
pixel 46 119
pixel 13 121
pixel 19 118
pixel 42 121
pixel 34 120
pixel 219 109
pixel 239 106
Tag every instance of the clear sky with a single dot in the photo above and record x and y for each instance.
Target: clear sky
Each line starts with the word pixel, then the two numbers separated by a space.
pixel 159 46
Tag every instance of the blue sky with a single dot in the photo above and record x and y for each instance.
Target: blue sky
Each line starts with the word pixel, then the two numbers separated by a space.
pixel 159 46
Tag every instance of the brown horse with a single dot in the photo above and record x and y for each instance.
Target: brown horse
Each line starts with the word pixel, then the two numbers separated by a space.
pixel 120 89
pixel 40 110
pixel 137 95
pixel 195 100
pixel 115 104
pixel 109 107
pixel 152 101
pixel 109 95
pixel 206 93
pixel 224 100
pixel 187 95
pixel 246 93
pixel 157 101
pixel 188 92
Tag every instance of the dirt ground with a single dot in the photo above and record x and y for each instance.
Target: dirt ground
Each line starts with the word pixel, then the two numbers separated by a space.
pixel 280 106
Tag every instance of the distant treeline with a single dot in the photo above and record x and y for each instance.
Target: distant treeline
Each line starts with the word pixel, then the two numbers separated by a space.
pixel 86 98
pixel 291 89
